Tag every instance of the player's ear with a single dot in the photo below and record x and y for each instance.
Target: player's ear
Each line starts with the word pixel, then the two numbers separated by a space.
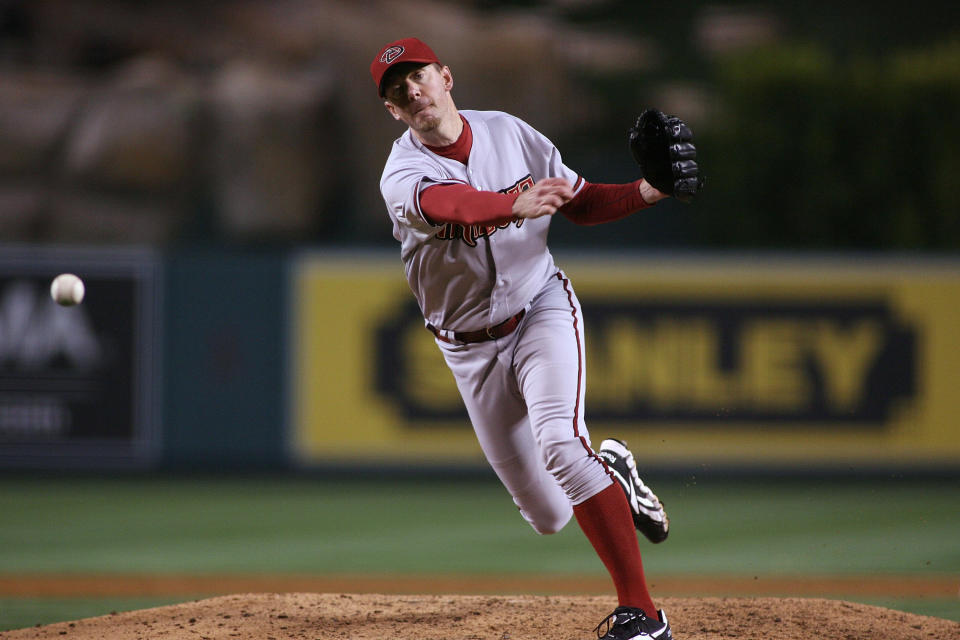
pixel 392 109
pixel 447 76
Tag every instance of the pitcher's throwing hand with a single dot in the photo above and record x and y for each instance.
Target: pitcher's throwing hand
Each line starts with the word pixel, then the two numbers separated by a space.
pixel 543 199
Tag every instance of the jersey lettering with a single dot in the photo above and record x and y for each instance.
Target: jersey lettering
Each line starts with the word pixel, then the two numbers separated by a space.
pixel 470 234
pixel 520 185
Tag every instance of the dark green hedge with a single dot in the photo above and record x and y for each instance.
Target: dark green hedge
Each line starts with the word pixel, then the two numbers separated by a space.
pixel 808 151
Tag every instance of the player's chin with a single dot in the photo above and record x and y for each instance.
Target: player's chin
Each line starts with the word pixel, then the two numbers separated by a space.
pixel 426 122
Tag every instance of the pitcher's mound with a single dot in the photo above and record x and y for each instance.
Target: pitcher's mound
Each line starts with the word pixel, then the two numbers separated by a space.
pixel 316 616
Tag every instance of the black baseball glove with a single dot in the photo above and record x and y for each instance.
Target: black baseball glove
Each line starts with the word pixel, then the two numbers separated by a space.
pixel 662 146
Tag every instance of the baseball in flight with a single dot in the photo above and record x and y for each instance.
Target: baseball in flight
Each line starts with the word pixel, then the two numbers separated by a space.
pixel 67 289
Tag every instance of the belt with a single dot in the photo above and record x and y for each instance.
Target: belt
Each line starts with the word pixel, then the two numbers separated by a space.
pixel 495 332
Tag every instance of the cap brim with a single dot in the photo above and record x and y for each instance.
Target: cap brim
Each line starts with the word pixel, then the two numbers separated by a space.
pixel 386 72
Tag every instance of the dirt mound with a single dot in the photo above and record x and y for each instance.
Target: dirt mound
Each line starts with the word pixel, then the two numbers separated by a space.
pixel 313 616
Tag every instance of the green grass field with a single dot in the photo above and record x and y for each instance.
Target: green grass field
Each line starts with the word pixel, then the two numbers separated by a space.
pixel 312 526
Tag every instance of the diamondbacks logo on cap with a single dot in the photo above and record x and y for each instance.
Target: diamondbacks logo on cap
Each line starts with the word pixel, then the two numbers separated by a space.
pixel 391 54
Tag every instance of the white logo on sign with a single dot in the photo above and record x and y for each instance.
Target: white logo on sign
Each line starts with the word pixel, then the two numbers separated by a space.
pixel 34 330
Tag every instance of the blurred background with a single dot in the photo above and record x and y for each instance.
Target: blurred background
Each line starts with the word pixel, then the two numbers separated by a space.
pixel 255 124
pixel 249 355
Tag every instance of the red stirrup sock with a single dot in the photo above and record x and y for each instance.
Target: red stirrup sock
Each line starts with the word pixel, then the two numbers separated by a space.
pixel 606 521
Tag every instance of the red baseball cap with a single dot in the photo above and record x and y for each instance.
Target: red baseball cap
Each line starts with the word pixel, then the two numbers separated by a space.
pixel 405 50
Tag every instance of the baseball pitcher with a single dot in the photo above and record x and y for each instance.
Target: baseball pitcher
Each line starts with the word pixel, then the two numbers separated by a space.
pixel 471 195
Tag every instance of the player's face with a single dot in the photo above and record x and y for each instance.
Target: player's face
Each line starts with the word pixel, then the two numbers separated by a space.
pixel 419 96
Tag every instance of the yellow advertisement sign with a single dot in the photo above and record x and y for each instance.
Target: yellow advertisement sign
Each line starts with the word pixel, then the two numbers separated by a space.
pixel 698 361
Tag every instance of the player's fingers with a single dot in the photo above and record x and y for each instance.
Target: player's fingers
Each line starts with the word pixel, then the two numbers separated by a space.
pixel 560 190
pixel 547 210
pixel 555 185
pixel 543 199
pixel 554 200
pixel 536 209
pixel 565 190
pixel 566 193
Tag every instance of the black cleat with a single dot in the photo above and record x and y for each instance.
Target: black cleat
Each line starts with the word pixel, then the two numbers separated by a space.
pixel 648 515
pixel 627 623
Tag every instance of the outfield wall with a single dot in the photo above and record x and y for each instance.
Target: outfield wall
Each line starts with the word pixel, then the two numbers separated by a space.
pixel 735 361
pixel 268 360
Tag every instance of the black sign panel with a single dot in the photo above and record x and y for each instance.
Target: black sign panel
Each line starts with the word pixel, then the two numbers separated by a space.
pixel 78 384
pixel 760 361
pixel 705 362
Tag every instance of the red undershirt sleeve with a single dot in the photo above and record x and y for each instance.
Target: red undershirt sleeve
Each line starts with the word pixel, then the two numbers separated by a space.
pixel 462 204
pixel 599 203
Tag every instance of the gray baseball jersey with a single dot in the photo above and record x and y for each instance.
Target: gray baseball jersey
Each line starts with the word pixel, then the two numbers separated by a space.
pixel 524 392
pixel 462 284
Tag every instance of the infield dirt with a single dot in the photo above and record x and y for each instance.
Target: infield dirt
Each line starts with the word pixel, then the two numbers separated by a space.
pixel 321 616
